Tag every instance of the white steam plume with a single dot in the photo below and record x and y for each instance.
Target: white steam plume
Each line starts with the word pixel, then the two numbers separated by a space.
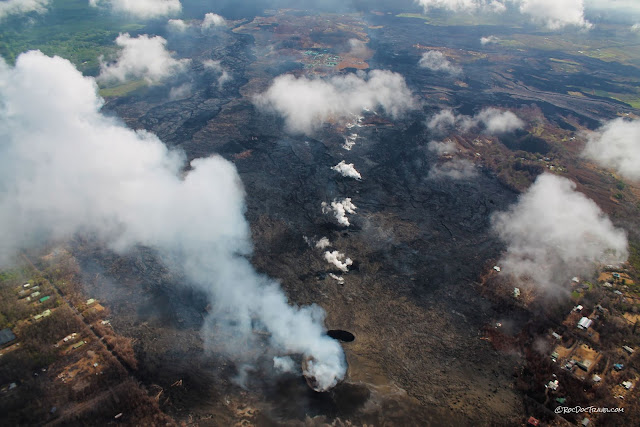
pixel 145 9
pixel 616 145
pixel 216 67
pixel 19 7
pixel 435 60
pixel 65 168
pixel 336 258
pixel 284 364
pixel 347 170
pixel 323 243
pixel 340 210
pixel 554 233
pixel 142 57
pixel 442 148
pixel 307 103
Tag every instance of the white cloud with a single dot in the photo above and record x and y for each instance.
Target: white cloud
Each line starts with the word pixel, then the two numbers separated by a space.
pixel 216 67
pixel 497 121
pixel 436 61
pixel 307 103
pixel 347 170
pixel 488 40
pixel 635 28
pixel 554 14
pixel 616 145
pixel 492 120
pixel 554 233
pixel 336 258
pixel 142 57
pixel 454 169
pixel 19 7
pixel 145 9
pixel 177 25
pixel 323 243
pixel 212 20
pixel 340 209
pixel 441 148
pixel 68 169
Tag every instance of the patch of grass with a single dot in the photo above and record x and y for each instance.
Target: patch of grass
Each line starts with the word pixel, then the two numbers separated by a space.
pixel 123 89
pixel 70 29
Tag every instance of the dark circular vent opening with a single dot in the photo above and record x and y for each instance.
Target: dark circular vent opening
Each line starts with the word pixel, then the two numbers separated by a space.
pixel 340 335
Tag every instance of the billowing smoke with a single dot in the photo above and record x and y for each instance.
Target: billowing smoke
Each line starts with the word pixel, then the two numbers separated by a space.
pixel 554 233
pixel 65 168
pixel 338 260
pixel 340 209
pixel 435 60
pixel 284 364
pixel 616 145
pixel 142 57
pixel 492 120
pixel 347 170
pixel 489 40
pixel 18 7
pixel 307 103
pixel 216 67
pixel 453 169
pixel 145 9
pixel 554 14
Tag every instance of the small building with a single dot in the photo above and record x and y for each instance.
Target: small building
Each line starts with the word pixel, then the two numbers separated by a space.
pixel 578 308
pixel 561 400
pixel 6 337
pixel 596 378
pixel 556 336
pixel 26 285
pixel 553 385
pixel 496 268
pixel 585 323
pixel 618 366
pixel 90 301
pixel 533 422
pixel 585 422
pixel 628 349
pixel 554 356
pixel 575 280
pixel 627 385
pixel 516 292
pixel 43 299
pixel 78 344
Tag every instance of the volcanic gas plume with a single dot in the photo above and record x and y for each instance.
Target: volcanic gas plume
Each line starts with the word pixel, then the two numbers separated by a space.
pixel 66 168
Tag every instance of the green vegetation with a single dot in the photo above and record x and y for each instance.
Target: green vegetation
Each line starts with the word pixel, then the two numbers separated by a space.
pixel 123 89
pixel 466 19
pixel 71 29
